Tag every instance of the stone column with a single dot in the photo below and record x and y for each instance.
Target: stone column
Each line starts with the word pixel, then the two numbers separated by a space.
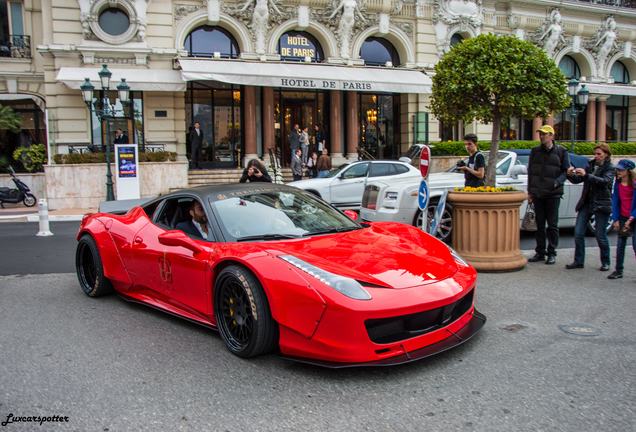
pixel 249 122
pixel 602 118
pixel 353 126
pixel 268 119
pixel 590 128
pixel 536 124
pixel 334 145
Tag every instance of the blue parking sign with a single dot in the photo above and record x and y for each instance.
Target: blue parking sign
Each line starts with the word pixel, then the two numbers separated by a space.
pixel 422 195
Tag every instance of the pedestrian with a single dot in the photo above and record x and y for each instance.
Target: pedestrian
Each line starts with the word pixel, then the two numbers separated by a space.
pixel 623 211
pixel 547 171
pixel 297 165
pixel 312 167
pixel 120 137
pixel 596 200
pixel 196 142
pixel 324 163
pixel 474 171
pixel 255 171
pixel 319 138
pixel 304 143
pixel 294 140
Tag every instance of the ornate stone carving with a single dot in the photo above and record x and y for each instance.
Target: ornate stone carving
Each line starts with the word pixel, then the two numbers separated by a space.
pixel 605 44
pixel 406 27
pixel 181 10
pixel 348 10
pixel 256 14
pixel 457 15
pixel 550 35
pixel 135 9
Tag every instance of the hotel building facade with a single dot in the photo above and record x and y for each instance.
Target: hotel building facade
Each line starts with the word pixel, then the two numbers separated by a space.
pixel 249 70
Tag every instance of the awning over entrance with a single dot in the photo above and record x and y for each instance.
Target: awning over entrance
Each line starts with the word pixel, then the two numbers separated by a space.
pixel 612 89
pixel 307 76
pixel 23 96
pixel 137 79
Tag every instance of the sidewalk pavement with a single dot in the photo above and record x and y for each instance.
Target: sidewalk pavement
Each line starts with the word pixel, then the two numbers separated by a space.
pixel 20 213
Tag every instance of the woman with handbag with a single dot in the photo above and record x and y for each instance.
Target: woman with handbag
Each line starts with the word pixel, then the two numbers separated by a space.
pixel 623 211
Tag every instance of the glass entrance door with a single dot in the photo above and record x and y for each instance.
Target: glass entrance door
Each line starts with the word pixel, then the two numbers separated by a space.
pixel 304 109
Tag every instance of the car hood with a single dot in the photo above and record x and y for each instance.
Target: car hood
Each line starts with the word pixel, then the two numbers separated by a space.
pixel 386 254
pixel 311 183
pixel 445 180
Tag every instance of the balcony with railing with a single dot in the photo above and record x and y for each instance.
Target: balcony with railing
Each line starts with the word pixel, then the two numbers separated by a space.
pixel 617 3
pixel 16 46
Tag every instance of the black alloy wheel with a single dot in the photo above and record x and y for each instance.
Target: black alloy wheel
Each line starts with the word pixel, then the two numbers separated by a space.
pixel 242 313
pixel 90 271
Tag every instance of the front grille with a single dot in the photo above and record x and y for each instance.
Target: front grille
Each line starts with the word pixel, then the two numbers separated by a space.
pixel 387 330
pixel 370 197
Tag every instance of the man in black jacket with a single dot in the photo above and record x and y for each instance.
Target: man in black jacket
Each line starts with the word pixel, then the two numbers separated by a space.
pixel 547 170
pixel 197 227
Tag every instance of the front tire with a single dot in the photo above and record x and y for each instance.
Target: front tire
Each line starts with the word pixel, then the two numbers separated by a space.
pixel 90 271
pixel 29 200
pixel 242 313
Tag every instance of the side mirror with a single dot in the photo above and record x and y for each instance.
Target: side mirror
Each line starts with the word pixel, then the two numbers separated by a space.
pixel 178 238
pixel 518 170
pixel 351 214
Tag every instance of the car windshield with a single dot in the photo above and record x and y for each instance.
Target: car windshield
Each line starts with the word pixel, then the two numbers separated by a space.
pixel 274 215
pixel 500 156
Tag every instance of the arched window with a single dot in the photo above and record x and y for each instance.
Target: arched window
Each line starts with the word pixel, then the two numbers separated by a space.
pixel 209 41
pixel 299 46
pixel 570 67
pixel 619 73
pixel 377 51
pixel 455 39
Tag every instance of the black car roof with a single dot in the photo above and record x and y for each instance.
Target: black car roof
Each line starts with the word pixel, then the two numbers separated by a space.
pixel 215 190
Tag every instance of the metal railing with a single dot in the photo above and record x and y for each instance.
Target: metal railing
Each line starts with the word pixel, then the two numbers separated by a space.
pixel 16 46
pixel 618 3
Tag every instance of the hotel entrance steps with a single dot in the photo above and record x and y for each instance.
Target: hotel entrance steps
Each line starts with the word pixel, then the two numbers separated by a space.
pixel 219 176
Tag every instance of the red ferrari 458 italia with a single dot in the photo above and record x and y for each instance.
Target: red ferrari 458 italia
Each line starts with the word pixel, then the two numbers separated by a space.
pixel 275 268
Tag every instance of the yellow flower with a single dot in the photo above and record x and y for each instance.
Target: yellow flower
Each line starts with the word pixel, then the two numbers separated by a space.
pixel 490 189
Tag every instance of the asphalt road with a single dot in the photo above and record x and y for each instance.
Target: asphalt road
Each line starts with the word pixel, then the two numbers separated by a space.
pixel 24 253
pixel 110 365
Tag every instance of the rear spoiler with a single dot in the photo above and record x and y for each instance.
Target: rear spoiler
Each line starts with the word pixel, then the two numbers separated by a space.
pixel 121 206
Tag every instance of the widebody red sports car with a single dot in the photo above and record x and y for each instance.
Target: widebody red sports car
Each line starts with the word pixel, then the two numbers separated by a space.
pixel 275 268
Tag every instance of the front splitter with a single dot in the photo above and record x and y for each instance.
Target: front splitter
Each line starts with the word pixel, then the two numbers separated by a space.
pixel 464 334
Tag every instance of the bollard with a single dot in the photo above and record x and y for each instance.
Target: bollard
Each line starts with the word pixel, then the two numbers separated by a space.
pixel 43 213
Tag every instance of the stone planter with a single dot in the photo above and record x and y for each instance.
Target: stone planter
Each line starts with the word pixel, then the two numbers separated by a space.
pixel 486 229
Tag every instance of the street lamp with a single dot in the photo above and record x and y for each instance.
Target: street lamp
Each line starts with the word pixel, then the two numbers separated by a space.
pixel 577 105
pixel 106 112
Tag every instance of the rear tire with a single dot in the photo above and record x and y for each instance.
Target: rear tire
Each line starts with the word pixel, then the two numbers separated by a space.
pixel 242 313
pixel 29 200
pixel 90 271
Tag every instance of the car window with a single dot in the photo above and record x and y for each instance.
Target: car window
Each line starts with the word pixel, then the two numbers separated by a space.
pixel 176 211
pixel 357 170
pixel 400 169
pixel 151 208
pixel 502 168
pixel 522 160
pixel 334 171
pixel 381 169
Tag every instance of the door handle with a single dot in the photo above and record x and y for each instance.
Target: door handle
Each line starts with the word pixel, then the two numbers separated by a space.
pixel 138 240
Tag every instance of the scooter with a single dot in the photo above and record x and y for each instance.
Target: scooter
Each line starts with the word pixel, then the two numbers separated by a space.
pixel 20 193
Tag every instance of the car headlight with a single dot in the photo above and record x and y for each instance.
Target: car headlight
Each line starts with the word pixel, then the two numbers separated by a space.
pixel 457 257
pixel 392 196
pixel 344 285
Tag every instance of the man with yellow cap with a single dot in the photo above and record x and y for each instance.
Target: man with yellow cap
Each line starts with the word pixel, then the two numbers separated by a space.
pixel 547 171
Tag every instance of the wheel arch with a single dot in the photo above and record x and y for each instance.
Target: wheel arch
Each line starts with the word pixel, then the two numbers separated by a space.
pixel 114 268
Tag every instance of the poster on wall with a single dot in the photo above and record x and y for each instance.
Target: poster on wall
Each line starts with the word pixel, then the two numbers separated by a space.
pixel 127 171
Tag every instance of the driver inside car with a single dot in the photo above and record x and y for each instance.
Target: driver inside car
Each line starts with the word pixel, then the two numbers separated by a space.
pixel 196 227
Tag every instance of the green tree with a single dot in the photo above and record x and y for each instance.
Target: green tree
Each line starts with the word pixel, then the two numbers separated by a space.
pixel 489 78
pixel 9 119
